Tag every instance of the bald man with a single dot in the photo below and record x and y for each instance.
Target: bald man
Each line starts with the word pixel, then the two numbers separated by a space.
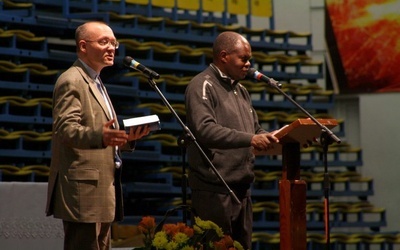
pixel 84 188
pixel 220 114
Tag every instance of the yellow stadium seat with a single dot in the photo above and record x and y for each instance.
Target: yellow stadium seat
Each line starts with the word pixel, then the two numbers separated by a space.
pixel 35 66
pixel 142 2
pixel 261 8
pixel 165 139
pixel 41 170
pixel 163 3
pixel 10 4
pixel 238 7
pixel 213 5
pixel 188 5
pixel 9 169
pixel 118 17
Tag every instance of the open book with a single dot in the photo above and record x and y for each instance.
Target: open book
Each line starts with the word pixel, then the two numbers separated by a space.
pixel 152 120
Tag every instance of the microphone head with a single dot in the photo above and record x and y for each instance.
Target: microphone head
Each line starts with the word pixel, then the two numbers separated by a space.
pixel 127 61
pixel 251 72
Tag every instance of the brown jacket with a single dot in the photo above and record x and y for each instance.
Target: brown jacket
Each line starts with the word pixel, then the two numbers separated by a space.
pixel 84 185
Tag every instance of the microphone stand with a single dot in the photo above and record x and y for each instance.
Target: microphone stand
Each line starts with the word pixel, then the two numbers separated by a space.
pixel 182 142
pixel 189 134
pixel 327 137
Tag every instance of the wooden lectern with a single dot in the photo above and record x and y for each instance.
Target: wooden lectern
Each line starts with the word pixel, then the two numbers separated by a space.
pixel 292 190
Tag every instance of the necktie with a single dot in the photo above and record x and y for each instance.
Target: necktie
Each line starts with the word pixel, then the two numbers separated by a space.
pixel 117 159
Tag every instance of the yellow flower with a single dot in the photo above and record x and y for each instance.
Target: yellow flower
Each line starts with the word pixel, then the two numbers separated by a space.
pixel 197 229
pixel 160 240
pixel 180 238
pixel 237 245
pixel 172 245
pixel 187 248
pixel 208 225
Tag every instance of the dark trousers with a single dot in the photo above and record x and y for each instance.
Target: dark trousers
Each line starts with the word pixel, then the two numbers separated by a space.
pixel 234 219
pixel 87 236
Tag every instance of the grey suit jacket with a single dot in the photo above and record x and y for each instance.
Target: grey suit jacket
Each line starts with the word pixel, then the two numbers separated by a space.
pixel 84 185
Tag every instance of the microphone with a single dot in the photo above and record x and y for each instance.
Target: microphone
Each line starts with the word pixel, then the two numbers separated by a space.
pixel 254 74
pixel 131 63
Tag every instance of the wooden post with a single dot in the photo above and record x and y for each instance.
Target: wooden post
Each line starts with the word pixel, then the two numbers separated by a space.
pixel 292 201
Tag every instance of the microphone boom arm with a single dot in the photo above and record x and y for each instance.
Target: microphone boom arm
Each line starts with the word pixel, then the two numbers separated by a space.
pixel 324 129
pixel 189 134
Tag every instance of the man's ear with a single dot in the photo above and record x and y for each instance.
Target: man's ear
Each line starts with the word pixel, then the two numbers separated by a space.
pixel 224 56
pixel 82 46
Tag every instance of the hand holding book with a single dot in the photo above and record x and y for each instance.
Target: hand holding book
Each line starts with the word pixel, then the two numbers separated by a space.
pixel 152 120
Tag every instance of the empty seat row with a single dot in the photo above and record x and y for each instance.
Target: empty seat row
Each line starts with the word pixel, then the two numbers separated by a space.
pixel 18 109
pixel 157 53
pixel 266 183
pixel 23 43
pixel 20 142
pixel 346 183
pixel 343 241
pixel 311 96
pixel 259 38
pixel 279 66
pixel 31 173
pixel 221 11
pixel 341 214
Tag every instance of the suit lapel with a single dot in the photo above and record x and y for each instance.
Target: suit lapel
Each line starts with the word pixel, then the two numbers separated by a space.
pixel 111 106
pixel 94 90
pixel 99 97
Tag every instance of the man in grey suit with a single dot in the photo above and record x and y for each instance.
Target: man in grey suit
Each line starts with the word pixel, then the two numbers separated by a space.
pixel 84 188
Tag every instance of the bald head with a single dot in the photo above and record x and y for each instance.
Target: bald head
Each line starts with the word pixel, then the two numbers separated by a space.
pixel 88 31
pixel 227 41
pixel 231 54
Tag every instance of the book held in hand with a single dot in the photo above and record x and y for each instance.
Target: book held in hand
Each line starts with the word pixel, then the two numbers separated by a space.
pixel 152 120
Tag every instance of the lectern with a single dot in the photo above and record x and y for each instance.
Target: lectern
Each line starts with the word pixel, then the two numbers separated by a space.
pixel 292 190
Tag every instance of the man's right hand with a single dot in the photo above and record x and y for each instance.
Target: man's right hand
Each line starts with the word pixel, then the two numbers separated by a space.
pixel 113 137
pixel 263 141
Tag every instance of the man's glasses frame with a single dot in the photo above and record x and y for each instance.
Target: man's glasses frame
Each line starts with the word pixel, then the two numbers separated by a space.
pixel 105 42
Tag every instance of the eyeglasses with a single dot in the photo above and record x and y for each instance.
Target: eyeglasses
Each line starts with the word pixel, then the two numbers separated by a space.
pixel 105 43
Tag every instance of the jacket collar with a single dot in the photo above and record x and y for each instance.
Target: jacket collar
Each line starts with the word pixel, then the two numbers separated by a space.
pixel 91 72
pixel 222 76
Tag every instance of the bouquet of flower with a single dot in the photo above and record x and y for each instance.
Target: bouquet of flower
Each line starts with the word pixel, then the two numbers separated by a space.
pixel 203 235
